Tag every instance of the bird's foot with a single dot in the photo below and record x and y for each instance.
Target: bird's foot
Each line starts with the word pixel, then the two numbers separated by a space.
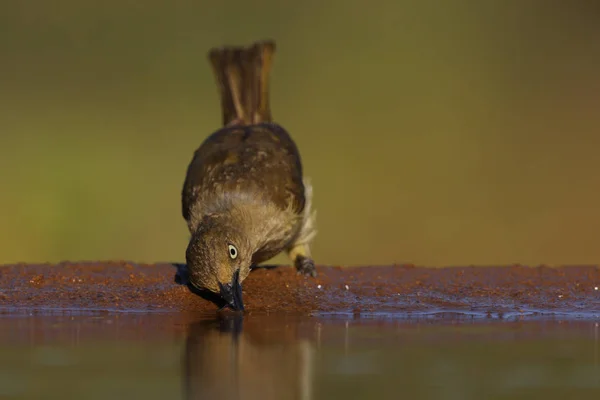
pixel 305 266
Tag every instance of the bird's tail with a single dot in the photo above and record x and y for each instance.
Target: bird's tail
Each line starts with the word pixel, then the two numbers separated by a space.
pixel 242 74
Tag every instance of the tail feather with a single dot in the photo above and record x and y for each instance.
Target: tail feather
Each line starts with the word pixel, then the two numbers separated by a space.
pixel 242 74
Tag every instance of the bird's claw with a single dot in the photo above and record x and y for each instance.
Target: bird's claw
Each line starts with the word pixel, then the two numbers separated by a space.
pixel 305 266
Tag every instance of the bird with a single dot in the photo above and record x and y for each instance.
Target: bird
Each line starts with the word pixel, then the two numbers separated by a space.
pixel 245 198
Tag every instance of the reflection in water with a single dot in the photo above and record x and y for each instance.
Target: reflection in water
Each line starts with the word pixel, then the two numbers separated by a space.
pixel 233 358
pixel 307 358
pixel 133 356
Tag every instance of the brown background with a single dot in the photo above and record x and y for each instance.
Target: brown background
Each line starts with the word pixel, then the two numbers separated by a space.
pixel 435 132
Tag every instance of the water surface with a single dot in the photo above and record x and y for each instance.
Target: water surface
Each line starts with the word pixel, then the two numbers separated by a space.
pixel 77 355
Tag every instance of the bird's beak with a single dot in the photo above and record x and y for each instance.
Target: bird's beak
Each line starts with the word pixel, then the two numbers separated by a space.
pixel 232 292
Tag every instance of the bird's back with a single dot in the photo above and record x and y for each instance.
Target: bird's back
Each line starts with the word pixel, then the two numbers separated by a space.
pixel 258 161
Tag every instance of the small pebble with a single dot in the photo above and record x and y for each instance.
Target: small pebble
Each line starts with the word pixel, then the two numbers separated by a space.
pixel 347 287
pixel 319 286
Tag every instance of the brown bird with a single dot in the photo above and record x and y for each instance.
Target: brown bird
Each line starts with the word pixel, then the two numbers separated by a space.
pixel 245 199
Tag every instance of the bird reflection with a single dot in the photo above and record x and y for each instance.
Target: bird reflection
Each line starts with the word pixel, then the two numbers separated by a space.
pixel 235 357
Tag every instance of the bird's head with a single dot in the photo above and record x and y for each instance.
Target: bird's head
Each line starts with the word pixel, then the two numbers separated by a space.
pixel 218 259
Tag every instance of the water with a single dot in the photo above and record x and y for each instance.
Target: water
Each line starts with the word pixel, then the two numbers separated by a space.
pixel 75 355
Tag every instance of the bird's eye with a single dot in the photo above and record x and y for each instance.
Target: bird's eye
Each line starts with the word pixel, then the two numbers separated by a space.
pixel 233 253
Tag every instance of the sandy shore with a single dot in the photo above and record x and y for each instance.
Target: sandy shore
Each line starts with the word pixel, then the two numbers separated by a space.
pixel 496 292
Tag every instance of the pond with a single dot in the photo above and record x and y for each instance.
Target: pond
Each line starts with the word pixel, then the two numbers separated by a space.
pixel 69 354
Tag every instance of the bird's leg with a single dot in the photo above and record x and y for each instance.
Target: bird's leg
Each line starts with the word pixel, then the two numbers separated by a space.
pixel 299 250
pixel 300 255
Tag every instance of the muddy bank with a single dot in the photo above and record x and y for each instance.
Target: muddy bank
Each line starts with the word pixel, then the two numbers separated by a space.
pixel 495 292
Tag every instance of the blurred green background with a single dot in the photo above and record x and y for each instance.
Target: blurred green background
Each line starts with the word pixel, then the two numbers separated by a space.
pixel 435 132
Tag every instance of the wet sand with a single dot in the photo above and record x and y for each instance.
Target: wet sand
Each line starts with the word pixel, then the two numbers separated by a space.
pixel 401 291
